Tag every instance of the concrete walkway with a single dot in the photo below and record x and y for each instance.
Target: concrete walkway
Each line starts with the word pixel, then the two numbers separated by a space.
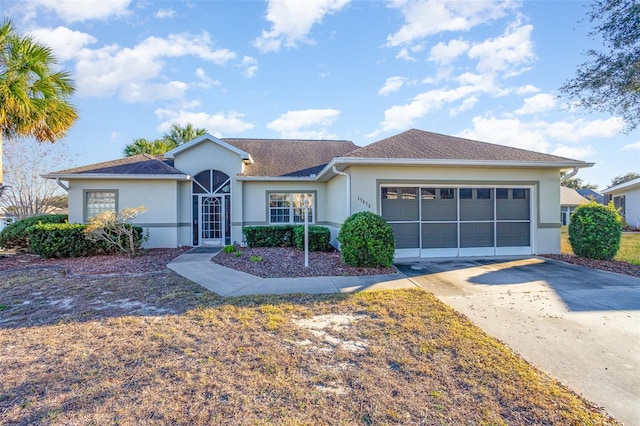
pixel 580 325
pixel 196 266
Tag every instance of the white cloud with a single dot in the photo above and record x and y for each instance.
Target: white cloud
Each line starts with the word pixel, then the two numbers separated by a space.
pixel 76 10
pixel 250 66
pixel 525 90
pixel 205 82
pixel 291 21
pixel 405 55
pixel 292 123
pixel 117 70
pixel 65 43
pixel 424 18
pixel 574 152
pixel 508 53
pixel 539 135
pixel 219 124
pixel 632 147
pixel 165 13
pixel 392 84
pixel 538 103
pixel 142 92
pixel 445 53
pixel 467 104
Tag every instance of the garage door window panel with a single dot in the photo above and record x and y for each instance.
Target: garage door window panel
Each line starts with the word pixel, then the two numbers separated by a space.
pixel 513 234
pixel 400 203
pixel 439 235
pixel 439 204
pixel 476 204
pixel 407 235
pixel 512 204
pixel 476 235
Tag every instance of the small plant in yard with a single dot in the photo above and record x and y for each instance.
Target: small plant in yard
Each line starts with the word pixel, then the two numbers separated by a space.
pixel 116 229
pixel 256 259
pixel 595 231
pixel 229 249
pixel 237 253
pixel 366 240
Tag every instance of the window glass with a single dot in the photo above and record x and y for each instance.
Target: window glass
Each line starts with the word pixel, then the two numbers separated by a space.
pixel 483 193
pixel 97 202
pixel 502 193
pixel 520 193
pixel 428 194
pixel 466 193
pixel 289 207
pixel 447 193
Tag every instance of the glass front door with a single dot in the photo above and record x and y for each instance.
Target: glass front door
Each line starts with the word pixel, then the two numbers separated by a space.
pixel 212 219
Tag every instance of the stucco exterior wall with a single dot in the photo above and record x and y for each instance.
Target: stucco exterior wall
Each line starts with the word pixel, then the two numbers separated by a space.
pixel 631 204
pixel 544 183
pixel 160 197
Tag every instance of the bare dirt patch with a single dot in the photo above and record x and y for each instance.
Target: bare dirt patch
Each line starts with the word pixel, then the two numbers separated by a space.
pixel 283 262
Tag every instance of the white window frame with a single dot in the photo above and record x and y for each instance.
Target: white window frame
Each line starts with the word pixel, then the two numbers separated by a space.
pixel 289 199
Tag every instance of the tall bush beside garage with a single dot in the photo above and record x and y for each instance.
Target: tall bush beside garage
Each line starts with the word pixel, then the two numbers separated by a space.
pixel 595 231
pixel 366 240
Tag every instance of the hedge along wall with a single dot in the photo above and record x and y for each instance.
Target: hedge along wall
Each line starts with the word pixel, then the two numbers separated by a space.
pixel 288 236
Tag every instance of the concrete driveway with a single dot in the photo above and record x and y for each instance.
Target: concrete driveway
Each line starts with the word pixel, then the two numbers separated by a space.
pixel 580 325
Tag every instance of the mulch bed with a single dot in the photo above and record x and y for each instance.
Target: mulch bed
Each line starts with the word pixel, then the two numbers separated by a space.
pixel 283 262
pixel 605 265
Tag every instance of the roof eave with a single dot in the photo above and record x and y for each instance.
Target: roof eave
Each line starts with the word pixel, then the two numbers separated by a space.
pixel 111 176
pixel 311 178
pixel 348 161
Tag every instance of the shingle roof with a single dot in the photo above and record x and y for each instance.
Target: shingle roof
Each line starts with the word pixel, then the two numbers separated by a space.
pixel 143 164
pixel 418 144
pixel 571 197
pixel 289 157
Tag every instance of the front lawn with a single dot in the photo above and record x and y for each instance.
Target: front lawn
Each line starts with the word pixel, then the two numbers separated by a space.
pixel 155 348
pixel 629 246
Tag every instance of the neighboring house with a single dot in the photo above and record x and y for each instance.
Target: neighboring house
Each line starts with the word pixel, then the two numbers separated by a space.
pixel 570 199
pixel 442 195
pixel 626 197
pixel 590 194
pixel 5 218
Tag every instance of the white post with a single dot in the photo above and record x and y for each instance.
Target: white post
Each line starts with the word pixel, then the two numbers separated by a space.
pixel 306 232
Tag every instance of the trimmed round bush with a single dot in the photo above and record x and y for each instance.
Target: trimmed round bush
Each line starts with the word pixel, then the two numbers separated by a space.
pixel 595 231
pixel 366 240
pixel 16 236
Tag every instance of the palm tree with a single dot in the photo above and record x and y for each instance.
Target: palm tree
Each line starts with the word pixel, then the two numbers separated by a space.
pixel 176 136
pixel 33 96
pixel 145 146
pixel 183 134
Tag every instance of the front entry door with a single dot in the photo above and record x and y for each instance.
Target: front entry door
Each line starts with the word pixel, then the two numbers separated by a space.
pixel 212 220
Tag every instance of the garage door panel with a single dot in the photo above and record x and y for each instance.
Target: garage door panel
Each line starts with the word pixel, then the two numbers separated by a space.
pixel 476 235
pixel 407 235
pixel 400 203
pixel 439 235
pixel 513 234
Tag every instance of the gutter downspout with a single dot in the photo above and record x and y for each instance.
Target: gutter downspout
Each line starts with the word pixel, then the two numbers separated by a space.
pixel 348 176
pixel 62 185
pixel 570 174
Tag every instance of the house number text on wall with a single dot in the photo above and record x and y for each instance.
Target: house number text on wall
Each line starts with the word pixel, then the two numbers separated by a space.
pixel 364 202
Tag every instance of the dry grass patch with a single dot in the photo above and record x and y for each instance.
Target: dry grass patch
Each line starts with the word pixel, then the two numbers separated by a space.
pixel 395 357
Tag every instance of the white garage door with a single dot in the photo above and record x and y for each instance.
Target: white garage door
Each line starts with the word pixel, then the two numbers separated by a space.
pixel 458 221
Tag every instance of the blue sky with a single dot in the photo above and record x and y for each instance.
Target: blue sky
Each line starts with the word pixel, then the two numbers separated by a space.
pixel 337 69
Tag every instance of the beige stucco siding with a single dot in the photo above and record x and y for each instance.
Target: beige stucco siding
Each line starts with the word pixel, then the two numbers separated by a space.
pixel 544 184
pixel 160 197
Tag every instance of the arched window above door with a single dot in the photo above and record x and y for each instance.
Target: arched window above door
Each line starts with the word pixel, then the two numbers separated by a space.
pixel 211 182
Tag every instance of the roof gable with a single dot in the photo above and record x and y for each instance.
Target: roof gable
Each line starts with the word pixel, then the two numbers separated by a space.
pixel 571 197
pixel 204 139
pixel 626 185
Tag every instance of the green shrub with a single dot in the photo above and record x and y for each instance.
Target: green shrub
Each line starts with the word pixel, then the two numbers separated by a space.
pixel 70 240
pixel 229 249
pixel 60 240
pixel 15 235
pixel 366 240
pixel 269 236
pixel 319 238
pixel 595 231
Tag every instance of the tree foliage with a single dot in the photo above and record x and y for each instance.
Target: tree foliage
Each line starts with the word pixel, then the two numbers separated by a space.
pixel 33 92
pixel 624 178
pixel 27 193
pixel 117 230
pixel 176 136
pixel 610 79
pixel 577 183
